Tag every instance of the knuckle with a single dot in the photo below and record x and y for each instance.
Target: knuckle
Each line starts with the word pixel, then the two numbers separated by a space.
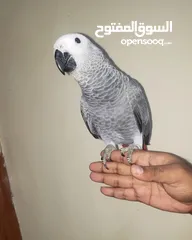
pixel 157 171
pixel 105 179
pixel 150 158
pixel 120 194
pixel 116 182
pixel 115 168
pixel 132 183
pixel 120 169
pixel 116 194
pixel 125 194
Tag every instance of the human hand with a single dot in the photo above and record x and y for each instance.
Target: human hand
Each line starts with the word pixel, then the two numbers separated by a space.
pixel 161 180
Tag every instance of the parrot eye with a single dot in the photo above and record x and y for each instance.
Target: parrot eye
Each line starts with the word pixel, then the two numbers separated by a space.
pixel 77 40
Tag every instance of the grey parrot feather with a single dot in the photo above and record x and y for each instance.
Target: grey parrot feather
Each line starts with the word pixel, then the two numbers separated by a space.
pixel 85 116
pixel 114 106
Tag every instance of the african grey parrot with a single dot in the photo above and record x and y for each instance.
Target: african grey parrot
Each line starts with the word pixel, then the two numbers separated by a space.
pixel 114 105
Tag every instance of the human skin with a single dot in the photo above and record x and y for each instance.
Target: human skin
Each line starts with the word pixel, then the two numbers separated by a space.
pixel 161 180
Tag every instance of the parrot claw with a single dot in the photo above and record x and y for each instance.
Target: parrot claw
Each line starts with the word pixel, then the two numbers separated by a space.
pixel 105 165
pixel 129 151
pixel 107 154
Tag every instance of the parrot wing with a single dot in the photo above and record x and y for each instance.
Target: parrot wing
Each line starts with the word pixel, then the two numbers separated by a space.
pixel 88 121
pixel 142 113
pixel 144 126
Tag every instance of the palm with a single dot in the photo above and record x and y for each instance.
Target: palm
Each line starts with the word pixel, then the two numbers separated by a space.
pixel 157 195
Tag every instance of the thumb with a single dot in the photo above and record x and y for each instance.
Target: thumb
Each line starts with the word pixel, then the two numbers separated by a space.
pixel 160 173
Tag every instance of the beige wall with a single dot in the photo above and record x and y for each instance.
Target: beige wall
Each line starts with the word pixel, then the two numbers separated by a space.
pixel 46 144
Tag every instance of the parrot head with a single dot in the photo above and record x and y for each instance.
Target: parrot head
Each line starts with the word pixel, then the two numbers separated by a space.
pixel 76 53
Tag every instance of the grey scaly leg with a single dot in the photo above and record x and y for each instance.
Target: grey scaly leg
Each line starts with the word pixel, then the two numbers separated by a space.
pixel 107 154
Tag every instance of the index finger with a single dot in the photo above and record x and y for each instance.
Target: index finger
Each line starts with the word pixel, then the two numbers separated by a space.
pixel 145 158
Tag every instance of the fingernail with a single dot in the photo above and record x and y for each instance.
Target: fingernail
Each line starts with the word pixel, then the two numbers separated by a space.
pixel 137 170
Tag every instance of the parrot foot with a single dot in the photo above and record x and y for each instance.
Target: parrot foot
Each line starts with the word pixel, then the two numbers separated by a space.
pixel 107 154
pixel 129 151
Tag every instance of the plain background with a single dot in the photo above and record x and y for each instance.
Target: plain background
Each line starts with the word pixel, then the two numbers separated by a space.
pixel 46 144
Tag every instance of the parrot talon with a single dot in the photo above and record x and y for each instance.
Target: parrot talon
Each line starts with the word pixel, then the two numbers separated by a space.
pixel 107 154
pixel 129 151
pixel 105 165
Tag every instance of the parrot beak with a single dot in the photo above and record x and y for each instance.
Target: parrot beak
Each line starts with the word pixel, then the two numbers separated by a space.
pixel 61 61
pixel 64 62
